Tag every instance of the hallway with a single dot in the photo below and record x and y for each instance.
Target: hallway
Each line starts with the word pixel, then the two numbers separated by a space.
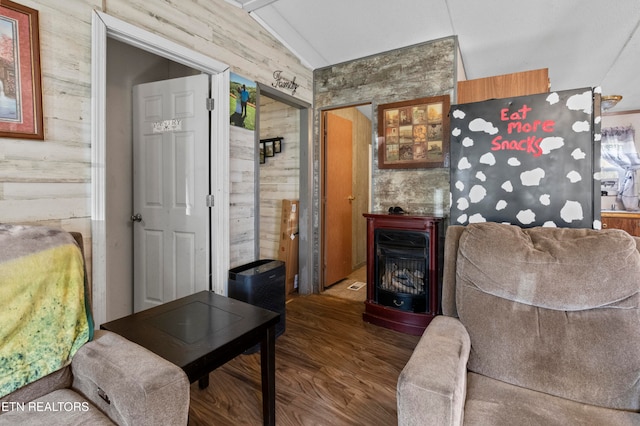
pixel 351 287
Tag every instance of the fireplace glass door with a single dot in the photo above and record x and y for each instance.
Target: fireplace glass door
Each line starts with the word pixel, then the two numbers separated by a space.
pixel 401 269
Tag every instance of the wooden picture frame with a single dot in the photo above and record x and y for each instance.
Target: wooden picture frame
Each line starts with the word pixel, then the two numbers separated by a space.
pixel 414 134
pixel 20 81
pixel 268 148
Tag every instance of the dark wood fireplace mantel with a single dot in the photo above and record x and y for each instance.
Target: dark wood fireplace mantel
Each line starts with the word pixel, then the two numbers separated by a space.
pixel 394 317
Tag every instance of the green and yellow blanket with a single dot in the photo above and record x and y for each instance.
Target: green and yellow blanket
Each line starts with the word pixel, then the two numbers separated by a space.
pixel 44 317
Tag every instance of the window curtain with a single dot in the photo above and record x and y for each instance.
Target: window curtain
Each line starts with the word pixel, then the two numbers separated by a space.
pixel 619 150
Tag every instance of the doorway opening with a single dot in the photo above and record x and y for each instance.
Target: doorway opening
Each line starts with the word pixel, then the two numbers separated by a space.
pixel 346 194
pixel 105 221
pixel 280 175
pixel 129 66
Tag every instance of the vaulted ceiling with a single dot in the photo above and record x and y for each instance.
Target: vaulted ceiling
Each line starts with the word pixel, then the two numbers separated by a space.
pixel 583 43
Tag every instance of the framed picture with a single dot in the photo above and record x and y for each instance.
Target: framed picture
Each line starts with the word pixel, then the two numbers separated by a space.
pixel 277 145
pixel 20 87
pixel 414 134
pixel 262 159
pixel 268 148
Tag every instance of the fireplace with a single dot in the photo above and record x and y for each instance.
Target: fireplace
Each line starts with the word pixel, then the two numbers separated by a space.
pixel 401 267
pixel 403 271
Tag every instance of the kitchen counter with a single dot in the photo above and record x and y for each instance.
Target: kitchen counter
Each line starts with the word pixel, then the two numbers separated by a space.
pixel 621 219
pixel 620 212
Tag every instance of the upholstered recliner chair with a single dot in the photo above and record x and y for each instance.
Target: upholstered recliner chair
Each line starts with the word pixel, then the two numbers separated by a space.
pixel 53 369
pixel 541 326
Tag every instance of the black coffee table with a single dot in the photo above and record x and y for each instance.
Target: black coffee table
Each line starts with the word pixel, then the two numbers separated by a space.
pixel 203 331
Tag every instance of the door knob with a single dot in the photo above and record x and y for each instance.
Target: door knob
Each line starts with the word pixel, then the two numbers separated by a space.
pixel 136 217
pixel 351 198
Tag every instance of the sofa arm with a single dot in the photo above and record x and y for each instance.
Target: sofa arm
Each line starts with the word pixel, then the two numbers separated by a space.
pixel 432 385
pixel 130 384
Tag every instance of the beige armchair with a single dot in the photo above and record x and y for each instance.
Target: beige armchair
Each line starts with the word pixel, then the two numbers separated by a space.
pixel 52 370
pixel 541 326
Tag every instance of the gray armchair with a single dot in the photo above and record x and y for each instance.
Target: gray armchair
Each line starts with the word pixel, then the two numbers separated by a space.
pixel 541 326
pixel 106 380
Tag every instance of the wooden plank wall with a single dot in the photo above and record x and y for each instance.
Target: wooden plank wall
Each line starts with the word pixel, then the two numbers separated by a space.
pixel 422 70
pixel 49 182
pixel 504 86
pixel 242 196
pixel 279 175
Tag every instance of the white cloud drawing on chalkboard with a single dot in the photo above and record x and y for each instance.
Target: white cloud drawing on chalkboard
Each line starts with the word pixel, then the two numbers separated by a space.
pixel 526 216
pixel 476 218
pixel 481 176
pixel 532 177
pixel 581 102
pixel 467 142
pixel 462 218
pixel 488 158
pixel 477 193
pixel 552 142
pixel 507 186
pixel 571 211
pixel 456 132
pixel 462 204
pixel 513 161
pixel 553 98
pixel 549 224
pixel 459 186
pixel 545 199
pixel 501 205
pixel 581 126
pixel 574 176
pixel 464 164
pixel 459 114
pixel 481 125
pixel 578 154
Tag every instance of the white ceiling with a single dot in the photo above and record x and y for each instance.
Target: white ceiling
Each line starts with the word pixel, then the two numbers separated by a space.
pixel 583 43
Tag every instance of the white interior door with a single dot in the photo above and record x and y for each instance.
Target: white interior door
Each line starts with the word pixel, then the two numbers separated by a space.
pixel 171 184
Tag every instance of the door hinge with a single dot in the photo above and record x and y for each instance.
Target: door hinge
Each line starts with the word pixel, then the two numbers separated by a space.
pixel 210 201
pixel 210 104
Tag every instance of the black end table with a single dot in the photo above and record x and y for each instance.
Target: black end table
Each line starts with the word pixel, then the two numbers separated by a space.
pixel 203 331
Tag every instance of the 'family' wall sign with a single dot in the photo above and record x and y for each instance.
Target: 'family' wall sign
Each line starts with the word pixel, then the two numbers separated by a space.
pixel 284 83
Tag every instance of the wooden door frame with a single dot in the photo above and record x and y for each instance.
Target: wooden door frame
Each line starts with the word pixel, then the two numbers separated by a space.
pixel 105 26
pixel 323 186
pixel 305 215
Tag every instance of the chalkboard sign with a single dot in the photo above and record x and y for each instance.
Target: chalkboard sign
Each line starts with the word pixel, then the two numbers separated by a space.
pixel 527 161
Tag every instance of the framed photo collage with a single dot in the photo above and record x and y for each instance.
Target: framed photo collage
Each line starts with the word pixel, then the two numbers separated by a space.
pixel 413 134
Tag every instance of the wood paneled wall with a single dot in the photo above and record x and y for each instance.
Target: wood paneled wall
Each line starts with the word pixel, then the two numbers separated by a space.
pixel 422 70
pixel 242 189
pixel 48 182
pixel 504 86
pixel 279 175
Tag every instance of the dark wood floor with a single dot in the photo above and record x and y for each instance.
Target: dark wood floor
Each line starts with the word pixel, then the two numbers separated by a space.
pixel 331 369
